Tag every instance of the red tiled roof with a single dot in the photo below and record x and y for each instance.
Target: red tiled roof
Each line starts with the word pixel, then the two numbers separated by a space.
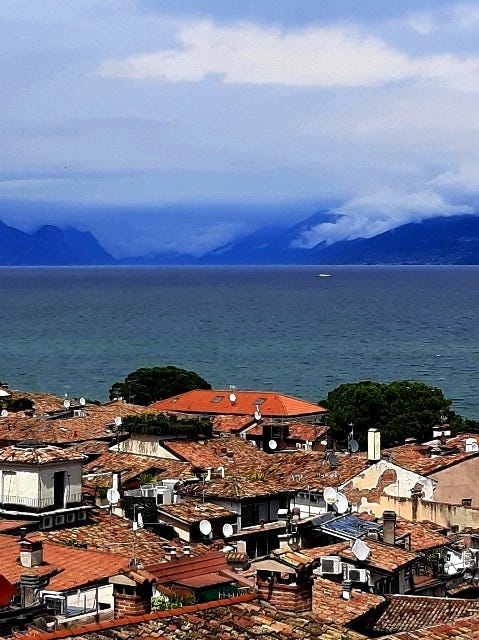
pixel 409 613
pixel 383 556
pixel 234 488
pixel 67 567
pixel 230 424
pixel 461 629
pixel 193 511
pixel 328 605
pixel 211 401
pixel 38 454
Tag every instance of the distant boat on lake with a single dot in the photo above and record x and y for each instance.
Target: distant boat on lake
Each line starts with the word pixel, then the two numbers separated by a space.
pixel 323 275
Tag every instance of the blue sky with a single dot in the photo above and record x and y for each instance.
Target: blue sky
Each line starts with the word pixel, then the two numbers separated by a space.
pixel 183 124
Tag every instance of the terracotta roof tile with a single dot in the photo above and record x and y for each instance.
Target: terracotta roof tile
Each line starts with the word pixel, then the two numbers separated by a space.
pixel 37 454
pixel 66 566
pixel 409 613
pixel 211 401
pixel 329 605
pixel 192 511
pixel 234 488
pixel 462 629
pixel 232 619
pixel 230 424
pixel 112 534
pixel 383 556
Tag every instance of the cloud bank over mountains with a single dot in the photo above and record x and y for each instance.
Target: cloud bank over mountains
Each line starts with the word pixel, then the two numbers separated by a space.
pixel 185 125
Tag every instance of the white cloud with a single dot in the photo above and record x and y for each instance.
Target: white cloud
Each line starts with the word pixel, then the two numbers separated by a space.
pixel 463 181
pixel 333 56
pixel 364 217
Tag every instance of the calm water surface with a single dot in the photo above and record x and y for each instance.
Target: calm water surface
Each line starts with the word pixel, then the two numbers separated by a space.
pixel 272 328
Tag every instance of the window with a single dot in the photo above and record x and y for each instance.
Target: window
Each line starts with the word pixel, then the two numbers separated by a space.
pixel 259 401
pixel 467 502
pixel 217 399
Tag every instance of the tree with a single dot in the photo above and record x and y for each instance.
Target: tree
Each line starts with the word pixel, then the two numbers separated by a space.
pixel 147 385
pixel 398 409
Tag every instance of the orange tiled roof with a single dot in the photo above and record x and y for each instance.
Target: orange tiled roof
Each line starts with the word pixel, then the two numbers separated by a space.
pixel 38 454
pixel 114 535
pixel 424 535
pixel 409 613
pixel 461 629
pixel 418 457
pixel 328 605
pixel 230 424
pixel 192 511
pixel 67 567
pixel 231 619
pixel 383 556
pixel 233 488
pixel 211 402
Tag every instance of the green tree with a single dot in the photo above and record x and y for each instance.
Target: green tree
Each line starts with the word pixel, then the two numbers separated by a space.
pixel 147 385
pixel 399 409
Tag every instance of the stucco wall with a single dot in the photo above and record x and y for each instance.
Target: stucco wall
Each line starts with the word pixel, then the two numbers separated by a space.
pixel 36 483
pixel 458 482
pixel 147 445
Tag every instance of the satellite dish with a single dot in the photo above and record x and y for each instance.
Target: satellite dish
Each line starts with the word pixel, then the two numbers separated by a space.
pixel 330 494
pixel 272 444
pixel 139 517
pixel 353 446
pixel 4 413
pixel 113 496
pixel 257 416
pixel 232 397
pixel 6 591
pixel 341 504
pixel 82 402
pixel 118 421
pixel 227 530
pixel 66 403
pixel 360 549
pixel 205 527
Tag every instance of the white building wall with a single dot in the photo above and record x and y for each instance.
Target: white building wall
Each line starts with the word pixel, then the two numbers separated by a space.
pixel 146 445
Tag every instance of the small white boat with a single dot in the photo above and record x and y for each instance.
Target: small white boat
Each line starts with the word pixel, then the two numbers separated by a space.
pixel 323 275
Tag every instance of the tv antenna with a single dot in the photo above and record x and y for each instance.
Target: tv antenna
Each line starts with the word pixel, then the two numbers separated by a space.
pixel 66 403
pixel 330 494
pixel 117 421
pixel 272 444
pixel 228 530
pixel 4 413
pixel 341 504
pixel 82 401
pixel 257 413
pixel 113 496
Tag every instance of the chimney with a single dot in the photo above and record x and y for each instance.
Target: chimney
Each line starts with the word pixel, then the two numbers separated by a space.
pixel 389 527
pixel 374 445
pixel 208 473
pixel 31 553
pixel 29 586
pixel 186 550
pixel 347 586
pixel 283 542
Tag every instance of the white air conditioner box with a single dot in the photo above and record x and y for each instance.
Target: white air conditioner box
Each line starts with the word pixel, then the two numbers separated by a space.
pixel 357 575
pixel 330 565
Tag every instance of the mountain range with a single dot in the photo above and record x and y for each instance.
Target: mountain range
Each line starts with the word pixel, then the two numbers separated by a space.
pixel 440 240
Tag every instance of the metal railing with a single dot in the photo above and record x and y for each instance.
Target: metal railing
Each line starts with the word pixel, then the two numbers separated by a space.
pixel 9 501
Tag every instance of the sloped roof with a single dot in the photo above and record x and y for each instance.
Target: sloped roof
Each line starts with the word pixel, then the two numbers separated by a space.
pixel 38 454
pixel 233 488
pixel 232 619
pixel 67 567
pixel 214 401
pixel 112 534
pixel 458 630
pixel 383 556
pixel 331 607
pixel 230 424
pixel 191 511
pixel 418 457
pixel 409 613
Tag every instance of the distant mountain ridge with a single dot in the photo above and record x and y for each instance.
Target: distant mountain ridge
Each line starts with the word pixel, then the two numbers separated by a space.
pixel 440 240
pixel 51 246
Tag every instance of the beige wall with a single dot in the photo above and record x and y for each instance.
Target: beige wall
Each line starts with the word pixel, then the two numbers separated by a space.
pixel 445 515
pixel 146 445
pixel 458 482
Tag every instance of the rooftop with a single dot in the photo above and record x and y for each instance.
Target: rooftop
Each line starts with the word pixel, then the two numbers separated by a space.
pixel 219 402
pixel 234 488
pixel 37 453
pixel 193 511
pixel 331 607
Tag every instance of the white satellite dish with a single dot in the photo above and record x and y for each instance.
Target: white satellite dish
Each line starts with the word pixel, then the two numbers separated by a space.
pixel 341 504
pixel 4 413
pixel 82 401
pixel 360 549
pixel 113 496
pixel 205 527
pixel 227 530
pixel 330 494
pixel 257 416
pixel 118 421
pixel 232 398
pixel 272 444
pixel 139 517
pixel 66 403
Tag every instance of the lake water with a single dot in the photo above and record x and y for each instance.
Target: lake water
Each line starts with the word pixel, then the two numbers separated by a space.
pixel 272 328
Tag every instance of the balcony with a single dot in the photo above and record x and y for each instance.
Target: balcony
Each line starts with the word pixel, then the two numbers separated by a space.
pixel 21 503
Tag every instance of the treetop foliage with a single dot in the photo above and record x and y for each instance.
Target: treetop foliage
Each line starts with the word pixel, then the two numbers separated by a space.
pixel 398 409
pixel 150 384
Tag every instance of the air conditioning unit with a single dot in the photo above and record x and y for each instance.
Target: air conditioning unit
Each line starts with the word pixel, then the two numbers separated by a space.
pixel 330 565
pixel 46 523
pixel 357 575
pixel 60 519
pixel 79 413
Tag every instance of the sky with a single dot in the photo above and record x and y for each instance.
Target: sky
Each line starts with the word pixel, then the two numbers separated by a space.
pixel 180 125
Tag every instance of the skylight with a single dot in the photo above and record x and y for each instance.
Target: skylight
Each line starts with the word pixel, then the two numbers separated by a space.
pixel 217 399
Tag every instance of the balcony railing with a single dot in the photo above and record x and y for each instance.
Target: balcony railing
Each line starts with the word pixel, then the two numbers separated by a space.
pixel 13 502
